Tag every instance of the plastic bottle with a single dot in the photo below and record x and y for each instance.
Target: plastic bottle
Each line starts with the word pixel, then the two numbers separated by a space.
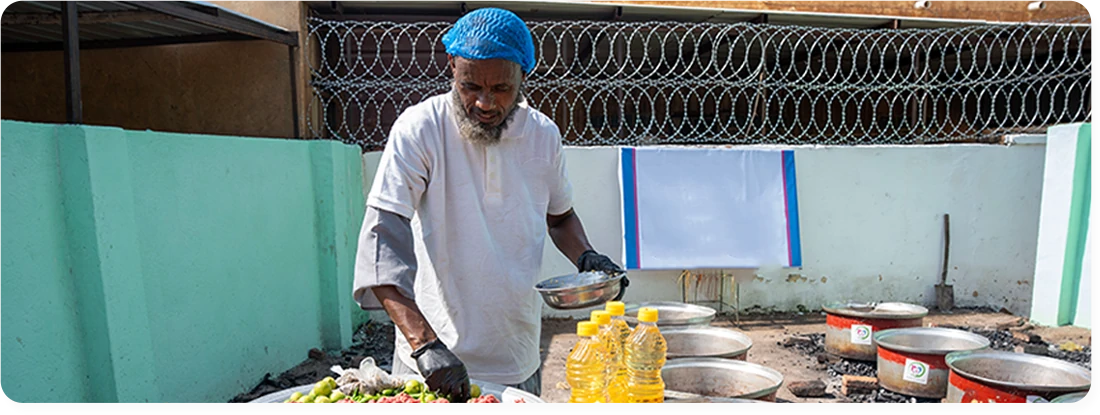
pixel 645 356
pixel 585 369
pixel 616 388
pixel 614 347
pixel 617 309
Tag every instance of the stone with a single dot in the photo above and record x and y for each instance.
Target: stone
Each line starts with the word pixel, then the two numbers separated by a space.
pixel 807 389
pixel 1035 349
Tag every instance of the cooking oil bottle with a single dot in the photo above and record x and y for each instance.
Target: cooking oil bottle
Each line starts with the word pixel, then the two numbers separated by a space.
pixel 585 369
pixel 617 309
pixel 616 388
pixel 645 356
pixel 614 347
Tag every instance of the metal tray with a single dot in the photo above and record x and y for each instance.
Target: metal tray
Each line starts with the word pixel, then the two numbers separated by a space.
pixel 505 394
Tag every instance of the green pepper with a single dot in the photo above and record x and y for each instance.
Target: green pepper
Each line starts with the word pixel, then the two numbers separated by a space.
pixel 389 392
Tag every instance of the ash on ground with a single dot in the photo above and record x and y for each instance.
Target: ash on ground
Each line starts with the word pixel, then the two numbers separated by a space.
pixel 374 339
pixel 813 345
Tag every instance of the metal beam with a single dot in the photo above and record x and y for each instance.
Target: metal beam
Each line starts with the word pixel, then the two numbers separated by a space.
pixel 26 19
pixel 216 19
pixel 124 43
pixel 70 33
pixel 294 92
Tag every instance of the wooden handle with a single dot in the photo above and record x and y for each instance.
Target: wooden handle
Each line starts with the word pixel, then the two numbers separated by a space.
pixel 946 246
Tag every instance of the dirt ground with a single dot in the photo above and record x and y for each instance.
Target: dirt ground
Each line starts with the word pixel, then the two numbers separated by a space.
pixel 767 332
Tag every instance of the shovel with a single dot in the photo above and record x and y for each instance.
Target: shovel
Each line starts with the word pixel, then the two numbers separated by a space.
pixel 945 294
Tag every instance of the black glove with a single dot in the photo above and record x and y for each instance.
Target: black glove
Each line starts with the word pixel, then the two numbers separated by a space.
pixel 442 371
pixel 593 261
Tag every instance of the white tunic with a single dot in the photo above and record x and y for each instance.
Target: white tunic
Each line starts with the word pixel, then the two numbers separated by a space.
pixel 479 225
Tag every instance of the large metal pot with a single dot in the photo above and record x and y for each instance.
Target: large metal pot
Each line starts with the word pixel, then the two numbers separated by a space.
pixel 724 378
pixel 850 327
pixel 995 376
pixel 911 360
pixel 671 314
pixel 706 342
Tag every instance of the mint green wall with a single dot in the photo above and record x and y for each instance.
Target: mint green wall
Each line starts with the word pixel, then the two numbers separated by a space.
pixel 201 262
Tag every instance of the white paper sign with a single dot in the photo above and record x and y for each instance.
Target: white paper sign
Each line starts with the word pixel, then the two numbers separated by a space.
pixel 915 371
pixel 861 334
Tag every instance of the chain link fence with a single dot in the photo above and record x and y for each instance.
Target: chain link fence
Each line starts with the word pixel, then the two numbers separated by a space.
pixel 643 83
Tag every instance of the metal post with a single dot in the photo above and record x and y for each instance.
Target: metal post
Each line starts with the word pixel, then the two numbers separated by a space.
pixel 293 93
pixel 70 35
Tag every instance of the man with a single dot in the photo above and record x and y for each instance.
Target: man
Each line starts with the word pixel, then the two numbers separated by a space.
pixel 469 184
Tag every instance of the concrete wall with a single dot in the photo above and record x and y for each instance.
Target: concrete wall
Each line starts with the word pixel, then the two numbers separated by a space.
pixel 871 226
pixel 238 88
pixel 1060 281
pixel 156 267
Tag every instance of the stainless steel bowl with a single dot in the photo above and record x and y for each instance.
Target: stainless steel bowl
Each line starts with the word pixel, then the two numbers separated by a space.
pixel 673 314
pixel 725 378
pixel 706 342
pixel 580 290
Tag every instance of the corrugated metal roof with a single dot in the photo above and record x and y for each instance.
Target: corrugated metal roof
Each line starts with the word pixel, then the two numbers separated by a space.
pixel 31 23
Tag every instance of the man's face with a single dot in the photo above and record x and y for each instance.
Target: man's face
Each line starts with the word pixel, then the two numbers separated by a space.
pixel 487 90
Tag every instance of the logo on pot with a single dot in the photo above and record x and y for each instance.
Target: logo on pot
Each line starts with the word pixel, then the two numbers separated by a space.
pixel 861 334
pixel 915 371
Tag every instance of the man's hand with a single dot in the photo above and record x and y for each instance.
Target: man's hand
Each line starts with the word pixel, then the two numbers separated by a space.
pixel 593 261
pixel 442 370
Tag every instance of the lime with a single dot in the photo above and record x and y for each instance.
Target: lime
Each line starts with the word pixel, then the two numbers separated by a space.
pixel 412 386
pixel 306 399
pixel 475 391
pixel 337 395
pixel 322 389
pixel 428 397
pixel 321 399
pixel 295 396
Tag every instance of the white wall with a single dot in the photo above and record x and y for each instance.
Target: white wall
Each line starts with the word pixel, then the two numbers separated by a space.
pixel 871 226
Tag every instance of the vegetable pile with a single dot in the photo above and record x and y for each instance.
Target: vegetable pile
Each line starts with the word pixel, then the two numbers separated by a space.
pixel 413 392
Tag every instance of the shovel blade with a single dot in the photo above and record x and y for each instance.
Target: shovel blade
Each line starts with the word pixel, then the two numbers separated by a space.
pixel 945 297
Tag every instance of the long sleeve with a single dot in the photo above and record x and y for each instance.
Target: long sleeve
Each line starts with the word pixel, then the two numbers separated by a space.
pixel 385 256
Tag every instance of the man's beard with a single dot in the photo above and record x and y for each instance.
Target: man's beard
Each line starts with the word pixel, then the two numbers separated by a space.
pixel 473 130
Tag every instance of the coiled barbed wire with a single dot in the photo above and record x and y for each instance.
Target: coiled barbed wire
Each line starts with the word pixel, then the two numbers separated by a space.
pixel 639 83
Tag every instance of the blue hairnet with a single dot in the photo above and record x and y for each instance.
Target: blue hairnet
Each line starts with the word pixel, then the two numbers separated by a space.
pixel 492 33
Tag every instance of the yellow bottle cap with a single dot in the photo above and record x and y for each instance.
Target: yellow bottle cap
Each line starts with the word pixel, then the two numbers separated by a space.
pixel 616 308
pixel 647 315
pixel 587 328
pixel 601 317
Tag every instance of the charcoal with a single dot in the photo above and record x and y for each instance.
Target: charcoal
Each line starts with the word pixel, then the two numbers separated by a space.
pixel 1003 340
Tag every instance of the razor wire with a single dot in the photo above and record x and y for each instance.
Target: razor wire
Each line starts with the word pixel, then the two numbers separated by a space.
pixel 644 83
